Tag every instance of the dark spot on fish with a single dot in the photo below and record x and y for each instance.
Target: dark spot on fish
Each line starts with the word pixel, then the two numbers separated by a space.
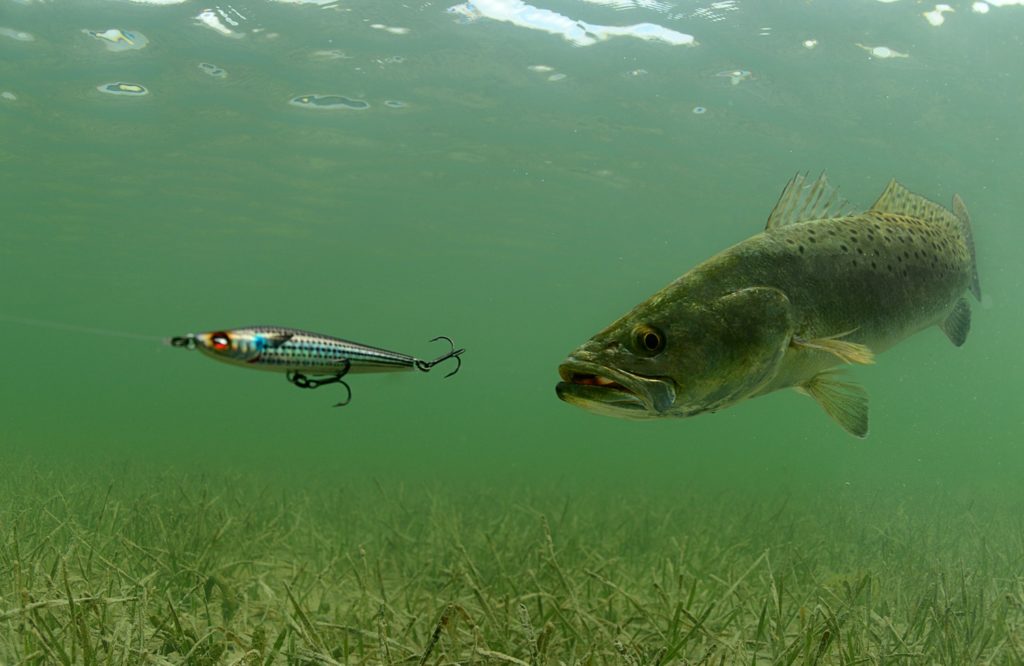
pixel 873 265
pixel 801 248
pixel 844 248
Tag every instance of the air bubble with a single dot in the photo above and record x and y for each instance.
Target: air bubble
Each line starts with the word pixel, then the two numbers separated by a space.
pixel 123 88
pixel 329 102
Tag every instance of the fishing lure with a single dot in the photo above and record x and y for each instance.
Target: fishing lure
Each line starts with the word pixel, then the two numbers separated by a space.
pixel 301 354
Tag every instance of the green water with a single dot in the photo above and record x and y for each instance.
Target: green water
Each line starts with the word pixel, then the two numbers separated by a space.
pixel 514 213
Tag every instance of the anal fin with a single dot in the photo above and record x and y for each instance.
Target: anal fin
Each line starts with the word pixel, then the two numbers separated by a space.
pixel 845 402
pixel 847 352
pixel 958 323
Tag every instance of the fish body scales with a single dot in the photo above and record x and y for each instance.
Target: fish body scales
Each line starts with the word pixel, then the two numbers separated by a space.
pixel 881 276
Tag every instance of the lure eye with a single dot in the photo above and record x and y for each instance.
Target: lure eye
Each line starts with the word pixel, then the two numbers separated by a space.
pixel 220 340
pixel 648 340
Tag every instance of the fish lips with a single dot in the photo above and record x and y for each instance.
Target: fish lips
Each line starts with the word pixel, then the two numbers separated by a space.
pixel 612 391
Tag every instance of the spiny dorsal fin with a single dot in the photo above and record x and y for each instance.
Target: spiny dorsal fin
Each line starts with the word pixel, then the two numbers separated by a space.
pixel 800 202
pixel 845 402
pixel 898 199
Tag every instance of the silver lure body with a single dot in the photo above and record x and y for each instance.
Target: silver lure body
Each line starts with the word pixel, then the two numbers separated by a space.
pixel 290 350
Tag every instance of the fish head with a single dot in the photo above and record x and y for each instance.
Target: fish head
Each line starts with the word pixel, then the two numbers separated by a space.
pixel 235 346
pixel 677 356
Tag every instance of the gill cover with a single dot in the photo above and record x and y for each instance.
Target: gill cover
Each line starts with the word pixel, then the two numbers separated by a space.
pixel 739 343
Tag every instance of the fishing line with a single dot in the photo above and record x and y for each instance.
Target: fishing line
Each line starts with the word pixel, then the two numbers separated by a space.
pixel 60 326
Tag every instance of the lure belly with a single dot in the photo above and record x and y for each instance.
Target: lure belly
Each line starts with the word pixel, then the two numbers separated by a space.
pixel 299 354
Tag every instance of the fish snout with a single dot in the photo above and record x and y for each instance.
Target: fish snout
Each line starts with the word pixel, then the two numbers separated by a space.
pixel 589 384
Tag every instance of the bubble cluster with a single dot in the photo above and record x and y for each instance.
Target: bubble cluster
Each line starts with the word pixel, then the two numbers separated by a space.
pixel 123 88
pixel 213 70
pixel 883 52
pixel 736 76
pixel 116 39
pixel 394 30
pixel 17 35
pixel 329 102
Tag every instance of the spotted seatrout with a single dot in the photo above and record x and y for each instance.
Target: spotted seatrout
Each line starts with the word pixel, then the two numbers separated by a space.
pixel 781 309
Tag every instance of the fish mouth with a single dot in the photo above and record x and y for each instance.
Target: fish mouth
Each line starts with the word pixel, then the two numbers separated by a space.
pixel 612 391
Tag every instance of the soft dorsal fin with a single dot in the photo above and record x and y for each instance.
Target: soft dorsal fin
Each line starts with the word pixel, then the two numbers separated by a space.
pixel 898 199
pixel 960 211
pixel 800 202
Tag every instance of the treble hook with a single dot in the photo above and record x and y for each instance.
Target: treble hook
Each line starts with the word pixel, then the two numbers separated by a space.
pixel 425 366
pixel 302 381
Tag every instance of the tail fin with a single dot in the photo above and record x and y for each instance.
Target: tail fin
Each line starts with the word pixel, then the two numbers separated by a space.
pixel 960 210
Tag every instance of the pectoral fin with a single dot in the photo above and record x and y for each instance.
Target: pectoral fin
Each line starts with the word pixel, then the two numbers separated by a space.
pixel 958 323
pixel 845 402
pixel 848 352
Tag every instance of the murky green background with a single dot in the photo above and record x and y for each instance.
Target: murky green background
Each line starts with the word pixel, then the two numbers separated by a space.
pixel 516 214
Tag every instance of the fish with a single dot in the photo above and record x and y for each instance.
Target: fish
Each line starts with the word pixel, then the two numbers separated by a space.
pixel 821 287
pixel 300 354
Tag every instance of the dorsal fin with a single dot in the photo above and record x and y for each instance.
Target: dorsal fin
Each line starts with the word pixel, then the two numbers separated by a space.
pixel 800 202
pixel 898 199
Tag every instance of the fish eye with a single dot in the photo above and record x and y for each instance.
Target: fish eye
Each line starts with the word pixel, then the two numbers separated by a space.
pixel 220 340
pixel 648 339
